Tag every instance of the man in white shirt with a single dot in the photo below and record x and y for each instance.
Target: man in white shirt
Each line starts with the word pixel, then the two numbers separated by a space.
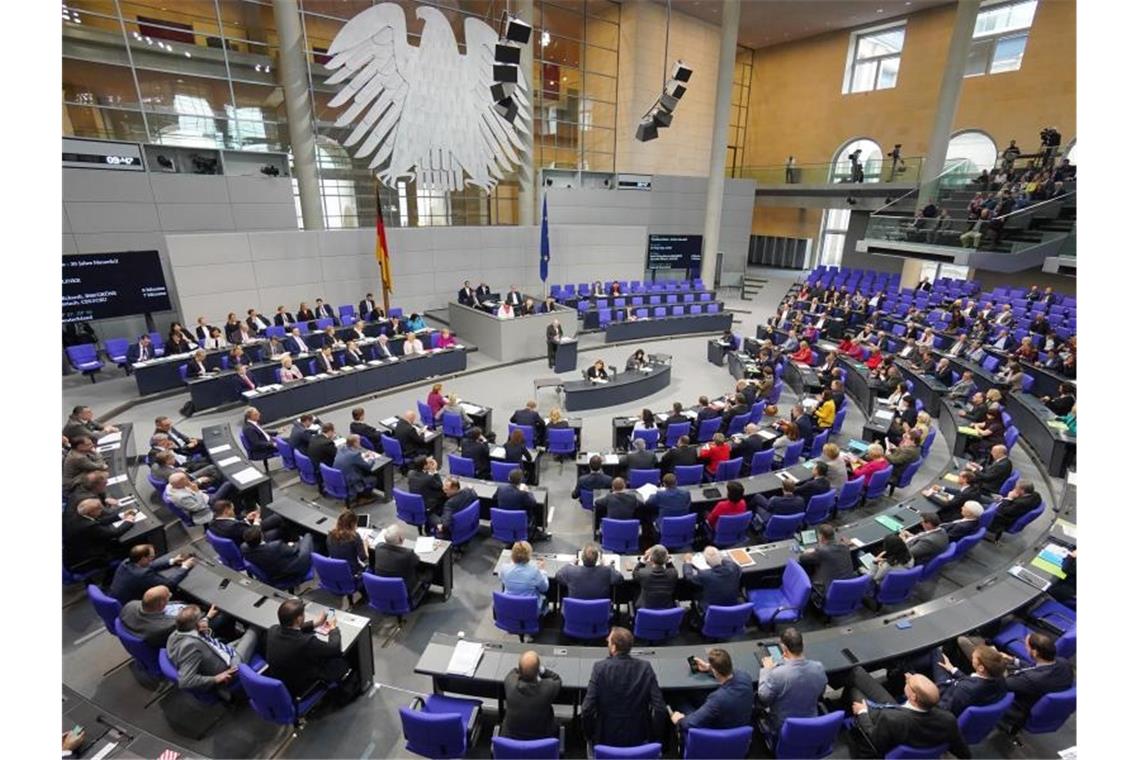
pixel 215 341
pixel 324 310
pixel 505 311
pixel 382 350
pixel 294 343
pixel 185 494
pixel 256 322
pixel 413 345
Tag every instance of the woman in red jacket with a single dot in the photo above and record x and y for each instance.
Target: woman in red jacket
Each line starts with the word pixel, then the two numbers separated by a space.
pixel 875 359
pixel 733 505
pixel 803 353
pixel 872 463
pixel 714 452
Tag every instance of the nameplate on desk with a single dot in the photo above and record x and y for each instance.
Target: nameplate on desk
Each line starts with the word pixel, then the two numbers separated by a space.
pixel 248 475
pixel 228 461
pixel 374 363
pixel 388 422
pixel 311 378
pixel 219 449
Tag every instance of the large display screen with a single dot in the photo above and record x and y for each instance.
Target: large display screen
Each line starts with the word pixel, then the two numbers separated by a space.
pixel 105 285
pixel 674 252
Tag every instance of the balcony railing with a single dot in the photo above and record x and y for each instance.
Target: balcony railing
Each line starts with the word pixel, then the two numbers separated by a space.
pixel 907 170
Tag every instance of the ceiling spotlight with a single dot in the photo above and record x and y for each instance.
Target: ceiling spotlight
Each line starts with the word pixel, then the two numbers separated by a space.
pixel 646 130
pixel 518 30
pixel 681 72
pixel 187 54
pixel 661 117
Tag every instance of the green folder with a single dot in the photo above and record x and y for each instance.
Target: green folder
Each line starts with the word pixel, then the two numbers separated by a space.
pixel 890 523
pixel 1049 567
pixel 967 430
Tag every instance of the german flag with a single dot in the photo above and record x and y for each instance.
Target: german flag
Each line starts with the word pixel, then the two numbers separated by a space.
pixel 382 249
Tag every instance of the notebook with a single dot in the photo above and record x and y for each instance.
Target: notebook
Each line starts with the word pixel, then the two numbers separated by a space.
pixel 866 560
pixel 465 659
pixel 889 523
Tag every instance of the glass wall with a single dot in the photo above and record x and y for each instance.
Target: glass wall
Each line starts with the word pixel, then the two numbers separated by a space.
pixel 738 111
pixel 204 73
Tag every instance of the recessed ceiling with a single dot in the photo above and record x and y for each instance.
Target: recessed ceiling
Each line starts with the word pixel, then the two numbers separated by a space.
pixel 772 22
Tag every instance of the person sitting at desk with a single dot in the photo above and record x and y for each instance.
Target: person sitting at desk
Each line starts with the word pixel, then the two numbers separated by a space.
pixel 214 341
pixel 179 342
pixel 92 485
pixel 256 322
pixel 548 306
pixel 300 659
pixel 734 504
pixel 919 723
pixel 597 372
pixel 656 578
pixel 283 318
pixel 147 618
pixel 529 416
pixel 394 560
pixel 514 495
pixel 636 361
pixel 242 335
pixel 452 405
pixel 906 453
pixel 787 502
pixel 278 560
pixel 894 556
pixel 815 485
pixel 802 354
pixel 328 339
pixel 185 494
pixel 524 578
pixel 682 455
pixel 413 345
pixel 91 536
pixel 383 352
pixel 323 310
pixel 1020 501
pixel 951 500
pixel 739 407
pixel 836 466
pixel 475 447
pixel 416 323
pixel 530 690
pixel 677 417
pixel 792 687
pixel 556 421
pixel 196 367
pixel 830 365
pixel 927 339
pixel 827 561
pixel 1011 374
pixel 992 476
pixel 352 356
pixel 729 706
pixel 990 432
pixel 446 339
pixel 203 662
pixel 713 453
pixel 959 347
pixel 369 310
pixel 593 480
pixel 1025 350
pixel 140 351
pixel 424 479
pixel 968 523
pixel 322 446
pixel 965 386
pixel 639 458
pixel 238 358
pixel 302 432
pixel 393 327
pixel 259 440
pixel 850 347
pixel 345 543
pixel 1046 673
pixel 669 500
pixel 466 295
pixel 435 400
pixel 325 363
pixel 527 308
pixel 586 579
pixel 164 464
pixel 749 444
pixel 227 524
pixel 295 344
pixel 141 571
pixel 929 542
pixel 618 504
pixel 276 349
pixel 1063 402
pixel 456 498
pixel 356 332
pixel 482 293
pixel 719 584
pixel 875 360
pixel 202 330
pixel 514 297
pixel 789 433
pixel 803 421
pixel 356 467
pixel 873 461
pixel 976 407
pixel 824 414
pixel 305 314
pixel 410 436
pixel 596 290
pixel 515 449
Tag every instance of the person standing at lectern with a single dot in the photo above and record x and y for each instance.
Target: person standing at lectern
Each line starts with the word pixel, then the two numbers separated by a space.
pixel 553 338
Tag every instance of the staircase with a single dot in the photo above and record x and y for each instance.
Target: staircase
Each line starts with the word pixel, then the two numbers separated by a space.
pixel 751 285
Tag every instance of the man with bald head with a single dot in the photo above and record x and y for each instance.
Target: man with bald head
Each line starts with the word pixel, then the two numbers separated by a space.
pixel 411 439
pixel 185 494
pixel 993 475
pixel 530 693
pixel 149 619
pixel 90 537
pixel 883 724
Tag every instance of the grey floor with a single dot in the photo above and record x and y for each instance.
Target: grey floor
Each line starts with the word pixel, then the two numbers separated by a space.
pixel 370 727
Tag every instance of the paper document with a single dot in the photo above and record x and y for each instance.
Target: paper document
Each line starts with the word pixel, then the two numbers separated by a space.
pixel 219 449
pixel 698 561
pixel 465 658
pixel 884 414
pixel 768 435
pixel 388 422
pixel 116 479
pixel 646 490
pixel 856 542
pixel 369 536
pixel 228 461
pixel 248 475
pixel 424 545
pixel 470 408
pixel 110 438
pixel 565 557
pixel 498 452
pixel 611 459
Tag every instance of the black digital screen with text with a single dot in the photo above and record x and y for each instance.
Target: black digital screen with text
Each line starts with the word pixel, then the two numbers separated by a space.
pixel 674 252
pixel 106 285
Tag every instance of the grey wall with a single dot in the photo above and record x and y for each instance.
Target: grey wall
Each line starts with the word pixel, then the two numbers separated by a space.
pixel 224 272
pixel 856 231
pixel 106 211
pixel 674 205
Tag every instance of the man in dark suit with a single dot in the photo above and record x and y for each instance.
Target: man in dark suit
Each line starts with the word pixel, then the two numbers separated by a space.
pixel 553 338
pixel 784 503
pixel 202 330
pixel 301 434
pixel 322 448
pixel 530 693
pixel 804 423
pixel 298 658
pixel 323 310
pixel 827 561
pixel 394 561
pixel 90 538
pixel 883 725
pixel 227 523
pixel 514 495
pixel 705 412
pixel 968 524
pixel 586 579
pixel 681 455
pixel 359 481
pixel 529 416
pixel 739 406
pixel 294 343
pixel 983 685
pixel 1029 681
pixel 279 561
pixel 656 578
pixel 363 429
pixel 147 618
pixel 482 293
pixel 992 476
pixel 514 297
pixel 749 445
pixel 411 439
pixel 474 447
pixel 467 294
pixel 623 706
pixel 638 458
pixel 729 705
pixel 456 498
pixel 929 542
pixel 816 485
pixel 142 571
pixel 283 318
pixel 677 416
pixel 618 504
pixel 424 480
pixel 719 583
pixel 260 440
pixel 368 310
pixel 951 500
pixel 593 480
pixel 669 500
pixel 256 322
pixel 1022 500
pixel 140 351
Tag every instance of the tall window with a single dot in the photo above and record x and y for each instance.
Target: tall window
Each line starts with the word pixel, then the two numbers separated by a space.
pixel 832 235
pixel 873 59
pixel 1000 34
pixel 870 158
pixel 973 146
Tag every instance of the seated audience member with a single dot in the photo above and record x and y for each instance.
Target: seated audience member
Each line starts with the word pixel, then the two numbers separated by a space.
pixel 1046 673
pixel 416 323
pixel 728 706
pixel 196 367
pixel 356 332
pixel 784 503
pixel 424 479
pixel 305 314
pixel 302 433
pixel 967 524
pixel 299 658
pixel 965 387
pixel 475 447
pixel 185 494
pixel 1063 402
pixel 734 504
pixel 894 556
pixel 355 463
pixel 92 485
pixel 586 579
pixel 681 455
pixel 164 464
pixel 322 446
pixel 645 421
pixel 141 571
pixel 525 578
pixel 140 351
pixel 873 461
pixel 147 618
pixel 618 504
pixel 1020 501
pixel 505 311
pixel 227 523
pixel 282 318
pixel 991 477
pixel 636 361
pixel 929 542
pixel 719 584
pixel 950 500
pixel 345 543
pixel 278 560
pixel 288 372
pixel 657 579
pixel 446 339
pixel 623 705
pixel 792 687
pixel 82 458
pixel 383 351
pixel 452 405
pixel 827 561
pixel 410 436
pixel 597 372
pixel 669 500
pixel 816 485
pixel 530 690
pixel 515 449
pixel 203 662
pixel 256 322
pixel 325 363
pixel 639 458
pixel 713 453
pixel 467 294
pixel 983 685
pixel 394 560
pixel 369 310
pixel 836 467
pixel 514 495
pixel 556 420
pixel 413 345
pixel 593 480
pixel 435 400
pixel 243 379
pixel 361 428
pixel 906 453
pixel 529 415
pixel 882 725
pixel 90 537
pixel 456 498
pixel 213 342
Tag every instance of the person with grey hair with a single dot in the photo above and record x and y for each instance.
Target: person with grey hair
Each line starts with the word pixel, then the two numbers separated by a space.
pixel 749 445
pixel 204 662
pixel 969 523
pixel 719 584
pixel 393 560
pixel 585 578
pixel 530 692
pixel 657 578
pixel 185 494
pixel 639 458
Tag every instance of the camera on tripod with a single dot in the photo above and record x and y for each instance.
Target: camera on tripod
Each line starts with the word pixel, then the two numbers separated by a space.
pixel 1050 138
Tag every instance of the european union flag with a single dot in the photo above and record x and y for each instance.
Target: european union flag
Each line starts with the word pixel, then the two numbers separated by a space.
pixel 544 245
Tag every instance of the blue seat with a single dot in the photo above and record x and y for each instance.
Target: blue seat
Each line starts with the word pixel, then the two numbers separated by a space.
pixel 527 431
pixel 170 673
pixel 819 508
pixel 286 452
pixel 1010 482
pixel 503 748
pixel 305 469
pixel 649 436
pixel 725 622
pixel 712 743
pixel 508 525
pixel 640 752
pixel 1026 519
pixel 228 551
pixel 707 429
pixel 335 576
pixel 658 625
pixel 1011 434
pixel 116 349
pixel 737 423
pixel 586 499
pixel 673 433
pixel 426 417
pixel 678 532
pixel 1051 711
pixel 388 596
pixel 935 565
pixel 963 545
pixel 851 494
pixel 808 737
pixel 638 478
pixel 465 525
pixel 561 442
pixel 689 474
pixel 762 462
pixel 587 619
pixel 786 603
pixel 514 613
pixel 106 607
pixel 334 483
pixel 263 458
pixel 177 511
pixel 501 471
pixel 877 485
pixel 145 656
pixel 459 466
pixel 393 451
pixel 844 597
pixel 731 529
pixel 792 453
pixel 780 527
pixel 977 721
pixel 410 508
pixel 452 425
pixel 906 752
pixel 729 469
pixel 272 701
pixel 620 535
pixel 285 584
pixel 897 585
pixel 907 475
pixel 85 358
pixel 817 444
pixel 988 515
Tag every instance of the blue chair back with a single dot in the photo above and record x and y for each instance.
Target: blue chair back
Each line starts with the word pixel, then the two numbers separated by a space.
pixel 392 449
pixel 426 417
pixel 586 499
pixel 503 748
pixel 335 484
pixel 963 545
pixel 737 423
pixel 457 465
pixel 410 507
pixel 977 721
pixel 177 511
pixel 268 697
pixel 688 474
pixel 561 441
pixel 508 525
pixel 514 613
pixel 649 436
pixel 707 429
pixel 877 485
pixel 228 551
pixel 792 453
pixel 850 495
pixel 106 607
pixel 638 478
pixel 729 469
pixel 658 625
pixel 674 431
pixel 1051 711
pixel 465 524
pixel 1011 434
pixel 712 743
pixel 897 585
pixel 586 618
pixel 905 751
pixel 678 532
pixel 452 425
pixel 501 471
pixel 844 597
pixel 726 622
pixel 305 469
pixel 116 349
pixel 334 575
pixel 620 535
pixel 144 654
pixel 388 596
pixel 908 473
pixel 286 452
pixel 762 462
pixel 527 431
pixel 731 529
pixel 780 527
pixel 932 568
pixel 817 444
pixel 1025 519
pixel 1010 482
pixel 640 752
pixel 809 737
pixel 988 515
pixel 819 507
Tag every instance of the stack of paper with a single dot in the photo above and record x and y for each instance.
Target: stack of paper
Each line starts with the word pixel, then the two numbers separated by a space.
pixel 110 438
pixel 646 490
pixel 471 408
pixel 424 545
pixel 700 562
pixel 228 461
pixel 465 659
pixel 248 475
pixel 219 449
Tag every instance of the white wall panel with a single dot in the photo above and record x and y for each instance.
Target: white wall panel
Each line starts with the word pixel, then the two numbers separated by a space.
pixel 195 217
pixel 189 188
pixel 207 248
pixel 200 280
pixel 94 185
pixel 112 216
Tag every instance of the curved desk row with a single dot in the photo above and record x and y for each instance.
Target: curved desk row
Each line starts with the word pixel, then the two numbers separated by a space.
pixel 621 389
pixel 659 327
pixel 229 457
pixel 120 485
pixel 161 374
pixel 591 318
pixel 108 736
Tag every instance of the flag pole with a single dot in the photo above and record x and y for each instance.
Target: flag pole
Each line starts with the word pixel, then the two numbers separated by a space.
pixel 379 226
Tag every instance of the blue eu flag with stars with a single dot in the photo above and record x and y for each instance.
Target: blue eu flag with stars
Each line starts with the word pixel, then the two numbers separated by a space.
pixel 544 245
